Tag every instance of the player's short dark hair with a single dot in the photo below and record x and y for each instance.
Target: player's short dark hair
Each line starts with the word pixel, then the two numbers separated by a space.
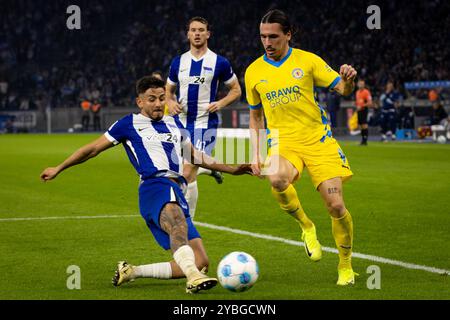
pixel 198 19
pixel 147 82
pixel 278 16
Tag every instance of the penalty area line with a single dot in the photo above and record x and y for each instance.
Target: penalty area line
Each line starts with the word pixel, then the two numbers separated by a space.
pixel 373 258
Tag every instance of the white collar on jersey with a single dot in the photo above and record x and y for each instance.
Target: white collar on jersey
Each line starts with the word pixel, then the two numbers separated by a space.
pixel 198 59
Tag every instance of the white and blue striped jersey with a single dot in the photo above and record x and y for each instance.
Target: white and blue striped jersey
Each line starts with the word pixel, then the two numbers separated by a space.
pixel 388 101
pixel 153 147
pixel 197 81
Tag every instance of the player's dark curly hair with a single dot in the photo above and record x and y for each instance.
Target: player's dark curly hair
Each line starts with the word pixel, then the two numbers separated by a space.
pixel 147 82
pixel 278 16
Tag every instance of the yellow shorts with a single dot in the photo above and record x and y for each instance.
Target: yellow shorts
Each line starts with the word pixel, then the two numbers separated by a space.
pixel 324 160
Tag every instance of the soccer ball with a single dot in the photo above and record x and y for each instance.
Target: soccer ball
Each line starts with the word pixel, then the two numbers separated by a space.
pixel 441 139
pixel 237 271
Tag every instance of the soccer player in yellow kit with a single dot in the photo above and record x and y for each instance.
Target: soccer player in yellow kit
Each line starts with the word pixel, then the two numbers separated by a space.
pixel 280 86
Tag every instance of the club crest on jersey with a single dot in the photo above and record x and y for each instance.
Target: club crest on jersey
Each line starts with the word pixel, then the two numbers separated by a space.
pixel 297 73
pixel 208 69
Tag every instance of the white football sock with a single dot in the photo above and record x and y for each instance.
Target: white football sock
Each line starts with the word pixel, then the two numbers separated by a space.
pixel 161 270
pixel 203 171
pixel 185 258
pixel 192 197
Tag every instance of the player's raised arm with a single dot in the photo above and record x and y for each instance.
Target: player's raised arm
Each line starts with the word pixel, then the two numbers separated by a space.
pixel 346 85
pixel 233 94
pixel 81 155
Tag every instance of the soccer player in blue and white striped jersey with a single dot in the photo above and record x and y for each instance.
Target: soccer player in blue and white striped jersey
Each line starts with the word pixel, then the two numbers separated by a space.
pixel 191 95
pixel 154 144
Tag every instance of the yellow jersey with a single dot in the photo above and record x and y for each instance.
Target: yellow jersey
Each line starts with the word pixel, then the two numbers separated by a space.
pixel 285 89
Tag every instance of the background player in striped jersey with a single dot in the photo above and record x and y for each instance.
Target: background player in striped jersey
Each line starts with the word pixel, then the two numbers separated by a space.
pixel 191 95
pixel 389 102
pixel 363 103
pixel 154 145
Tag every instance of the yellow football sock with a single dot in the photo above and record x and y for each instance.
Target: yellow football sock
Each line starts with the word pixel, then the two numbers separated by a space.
pixel 343 236
pixel 289 202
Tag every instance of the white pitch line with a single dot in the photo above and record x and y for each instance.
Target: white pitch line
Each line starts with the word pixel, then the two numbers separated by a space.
pixel 327 249
pixel 402 264
pixel 69 217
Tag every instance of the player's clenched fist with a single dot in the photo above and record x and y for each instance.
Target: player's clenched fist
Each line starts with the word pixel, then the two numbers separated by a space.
pixel 347 72
pixel 49 174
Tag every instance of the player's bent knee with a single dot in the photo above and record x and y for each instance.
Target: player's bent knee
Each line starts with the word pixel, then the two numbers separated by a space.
pixel 279 183
pixel 336 208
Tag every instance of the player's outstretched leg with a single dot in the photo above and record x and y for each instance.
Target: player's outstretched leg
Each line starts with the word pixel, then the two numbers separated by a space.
pixel 124 273
pixel 286 195
pixel 342 228
pixel 162 270
pixel 127 273
pixel 173 222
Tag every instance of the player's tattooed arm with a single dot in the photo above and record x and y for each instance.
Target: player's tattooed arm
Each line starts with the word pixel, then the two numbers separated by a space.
pixel 173 222
pixel 81 155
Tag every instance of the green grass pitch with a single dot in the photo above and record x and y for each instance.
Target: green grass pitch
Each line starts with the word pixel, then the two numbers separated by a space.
pixel 399 200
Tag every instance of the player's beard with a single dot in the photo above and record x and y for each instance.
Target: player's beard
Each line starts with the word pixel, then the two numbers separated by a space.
pixel 155 115
pixel 156 118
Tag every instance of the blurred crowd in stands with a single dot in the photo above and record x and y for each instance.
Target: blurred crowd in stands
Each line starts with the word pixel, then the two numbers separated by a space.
pixel 42 63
